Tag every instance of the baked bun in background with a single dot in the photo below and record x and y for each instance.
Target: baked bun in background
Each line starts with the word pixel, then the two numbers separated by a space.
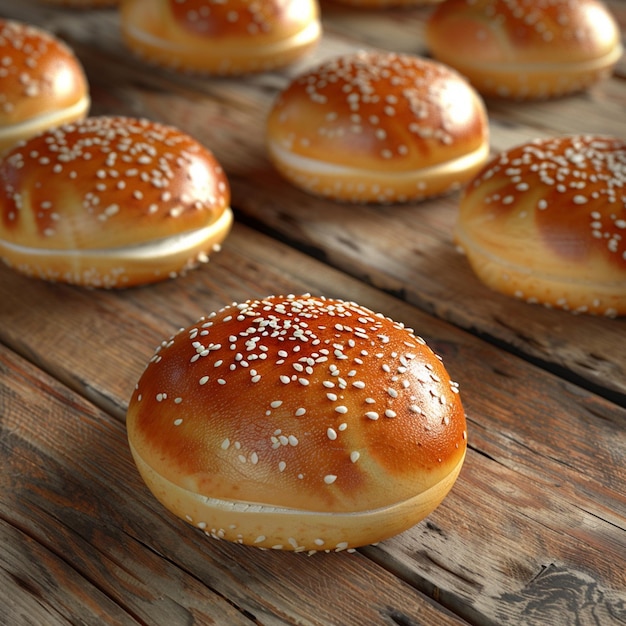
pixel 111 202
pixel 297 423
pixel 546 222
pixel 42 83
pixel 229 37
pixel 524 49
pixel 378 127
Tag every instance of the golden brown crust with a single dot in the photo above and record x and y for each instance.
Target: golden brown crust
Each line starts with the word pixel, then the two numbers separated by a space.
pixel 525 49
pixel 301 402
pixel 372 126
pixel 43 83
pixel 230 37
pixel 546 222
pixel 104 190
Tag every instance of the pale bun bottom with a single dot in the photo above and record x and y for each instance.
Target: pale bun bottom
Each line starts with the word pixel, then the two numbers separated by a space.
pixel 12 134
pixel 120 267
pixel 220 59
pixel 534 81
pixel 294 530
pixel 535 286
pixel 349 184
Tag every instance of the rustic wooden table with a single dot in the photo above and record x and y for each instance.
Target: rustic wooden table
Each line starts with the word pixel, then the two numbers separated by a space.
pixel 533 532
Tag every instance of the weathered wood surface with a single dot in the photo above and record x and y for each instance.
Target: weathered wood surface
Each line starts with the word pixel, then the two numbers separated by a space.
pixel 534 531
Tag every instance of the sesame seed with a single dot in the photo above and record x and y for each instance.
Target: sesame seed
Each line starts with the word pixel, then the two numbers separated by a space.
pixel 329 479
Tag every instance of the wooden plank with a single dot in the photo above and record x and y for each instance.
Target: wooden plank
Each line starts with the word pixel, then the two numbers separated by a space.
pixel 85 541
pixel 405 250
pixel 534 579
pixel 41 587
pixel 543 483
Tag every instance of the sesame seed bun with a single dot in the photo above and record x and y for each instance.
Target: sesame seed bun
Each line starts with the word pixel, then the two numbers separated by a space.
pixel 297 422
pixel 523 49
pixel 43 83
pixel 378 127
pixel 111 202
pixel 223 38
pixel 546 222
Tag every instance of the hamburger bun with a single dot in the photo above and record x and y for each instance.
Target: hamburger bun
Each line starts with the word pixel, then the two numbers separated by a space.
pixel 545 222
pixel 43 83
pixel 378 127
pixel 297 423
pixel 111 202
pixel 231 37
pixel 526 49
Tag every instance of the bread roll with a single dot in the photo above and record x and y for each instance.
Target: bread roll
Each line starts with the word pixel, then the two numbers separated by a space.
pixel 546 222
pixel 43 83
pixel 523 49
pixel 111 202
pixel 230 37
pixel 378 127
pixel 297 423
